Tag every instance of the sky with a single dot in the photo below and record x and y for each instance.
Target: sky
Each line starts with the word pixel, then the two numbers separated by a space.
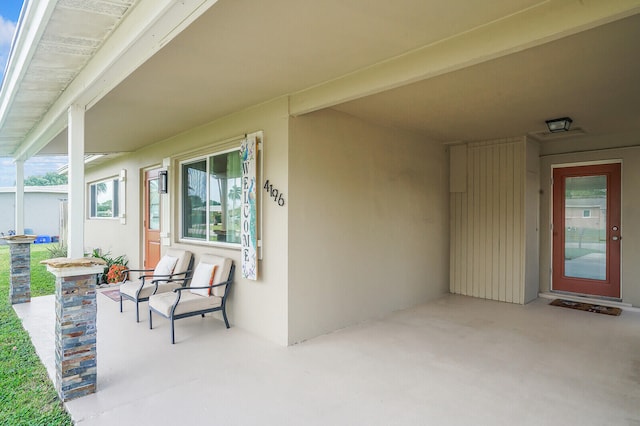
pixel 9 13
pixel 35 166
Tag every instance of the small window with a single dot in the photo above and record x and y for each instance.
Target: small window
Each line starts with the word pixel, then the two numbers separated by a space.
pixel 211 198
pixel 103 199
pixel 586 213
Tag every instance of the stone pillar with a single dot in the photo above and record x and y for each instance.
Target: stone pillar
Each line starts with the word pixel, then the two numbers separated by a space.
pixel 20 268
pixel 76 332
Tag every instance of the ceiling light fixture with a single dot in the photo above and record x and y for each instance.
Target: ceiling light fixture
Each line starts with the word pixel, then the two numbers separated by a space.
pixel 559 124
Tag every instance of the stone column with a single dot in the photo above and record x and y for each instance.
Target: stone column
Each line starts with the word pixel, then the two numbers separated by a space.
pixel 76 333
pixel 20 267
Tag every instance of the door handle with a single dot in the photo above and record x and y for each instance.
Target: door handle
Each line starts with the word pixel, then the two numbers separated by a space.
pixel 616 238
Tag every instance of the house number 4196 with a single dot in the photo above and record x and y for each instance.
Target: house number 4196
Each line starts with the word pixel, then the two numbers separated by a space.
pixel 274 193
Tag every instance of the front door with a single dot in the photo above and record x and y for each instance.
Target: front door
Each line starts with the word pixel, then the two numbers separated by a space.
pixel 151 223
pixel 586 230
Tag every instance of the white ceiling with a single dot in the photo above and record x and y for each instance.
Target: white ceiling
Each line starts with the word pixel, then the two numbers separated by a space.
pixel 218 66
pixel 241 52
pixel 593 77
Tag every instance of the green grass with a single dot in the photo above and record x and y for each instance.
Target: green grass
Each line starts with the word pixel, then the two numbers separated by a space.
pixel 585 235
pixel 27 396
pixel 573 253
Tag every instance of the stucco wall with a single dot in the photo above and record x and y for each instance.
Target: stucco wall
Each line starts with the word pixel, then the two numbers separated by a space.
pixel 257 306
pixel 368 222
pixel 630 228
pixel 41 212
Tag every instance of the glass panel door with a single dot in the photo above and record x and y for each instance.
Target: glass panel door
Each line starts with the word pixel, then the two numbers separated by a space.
pixel 586 230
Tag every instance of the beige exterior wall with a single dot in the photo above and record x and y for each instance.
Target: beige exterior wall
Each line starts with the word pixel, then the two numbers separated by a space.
pixel 630 227
pixel 257 306
pixel 368 222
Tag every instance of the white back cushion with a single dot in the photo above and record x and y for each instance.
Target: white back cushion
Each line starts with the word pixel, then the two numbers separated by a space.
pixel 184 259
pixel 221 272
pixel 202 276
pixel 166 265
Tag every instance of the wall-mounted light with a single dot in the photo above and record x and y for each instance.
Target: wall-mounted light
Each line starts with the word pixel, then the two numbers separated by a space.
pixel 163 184
pixel 559 124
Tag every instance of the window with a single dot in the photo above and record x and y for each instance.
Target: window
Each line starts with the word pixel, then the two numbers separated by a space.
pixel 211 198
pixel 103 199
pixel 586 213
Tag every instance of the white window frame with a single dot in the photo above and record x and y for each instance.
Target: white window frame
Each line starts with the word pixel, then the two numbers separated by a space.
pixel 113 195
pixel 207 158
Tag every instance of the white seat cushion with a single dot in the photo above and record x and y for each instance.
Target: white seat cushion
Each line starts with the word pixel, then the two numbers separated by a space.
pixel 130 287
pixel 189 302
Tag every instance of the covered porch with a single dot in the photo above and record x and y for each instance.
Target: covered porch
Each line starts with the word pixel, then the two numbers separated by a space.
pixel 455 360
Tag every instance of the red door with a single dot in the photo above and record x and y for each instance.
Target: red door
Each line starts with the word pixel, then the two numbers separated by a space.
pixel 586 230
pixel 151 223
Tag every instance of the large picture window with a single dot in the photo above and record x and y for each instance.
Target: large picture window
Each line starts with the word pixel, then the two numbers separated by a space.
pixel 211 197
pixel 103 199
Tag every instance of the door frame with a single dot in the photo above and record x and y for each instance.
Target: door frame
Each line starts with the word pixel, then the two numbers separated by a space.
pixel 552 223
pixel 146 176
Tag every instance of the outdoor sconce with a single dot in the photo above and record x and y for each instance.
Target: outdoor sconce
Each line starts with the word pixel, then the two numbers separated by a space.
pixel 163 186
pixel 559 124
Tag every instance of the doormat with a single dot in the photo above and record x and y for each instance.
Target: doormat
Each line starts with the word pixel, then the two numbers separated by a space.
pixel 112 294
pixel 588 307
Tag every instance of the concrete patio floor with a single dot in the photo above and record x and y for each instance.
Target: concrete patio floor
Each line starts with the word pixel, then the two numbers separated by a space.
pixel 453 361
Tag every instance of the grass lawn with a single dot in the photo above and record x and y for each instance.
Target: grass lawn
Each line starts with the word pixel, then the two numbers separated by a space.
pixel 573 253
pixel 27 396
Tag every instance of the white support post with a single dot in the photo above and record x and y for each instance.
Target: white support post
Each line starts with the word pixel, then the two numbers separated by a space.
pixel 75 242
pixel 19 225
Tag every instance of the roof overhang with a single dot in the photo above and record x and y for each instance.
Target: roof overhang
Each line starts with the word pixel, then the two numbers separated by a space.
pixel 161 67
pixel 68 52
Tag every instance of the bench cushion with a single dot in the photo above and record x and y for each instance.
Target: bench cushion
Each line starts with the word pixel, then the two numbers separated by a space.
pixel 130 287
pixel 189 302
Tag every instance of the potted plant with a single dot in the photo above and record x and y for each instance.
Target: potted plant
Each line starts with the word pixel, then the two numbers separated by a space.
pixel 119 262
pixel 116 274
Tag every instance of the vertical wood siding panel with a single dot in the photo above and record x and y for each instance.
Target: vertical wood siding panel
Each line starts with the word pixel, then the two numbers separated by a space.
pixel 517 193
pixel 470 232
pixel 464 255
pixel 482 215
pixel 459 261
pixel 503 224
pixel 515 270
pixel 488 242
pixel 453 197
pixel 487 224
pixel 519 169
pixel 495 249
pixel 477 258
pixel 510 224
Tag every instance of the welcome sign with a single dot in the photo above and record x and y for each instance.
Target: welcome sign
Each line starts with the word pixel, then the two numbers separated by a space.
pixel 249 234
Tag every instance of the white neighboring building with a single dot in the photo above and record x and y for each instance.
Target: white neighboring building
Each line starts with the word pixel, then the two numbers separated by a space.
pixel 41 209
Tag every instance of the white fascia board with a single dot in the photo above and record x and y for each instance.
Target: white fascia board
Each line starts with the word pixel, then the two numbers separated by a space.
pixel 50 189
pixel 31 25
pixel 148 27
pixel 547 21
